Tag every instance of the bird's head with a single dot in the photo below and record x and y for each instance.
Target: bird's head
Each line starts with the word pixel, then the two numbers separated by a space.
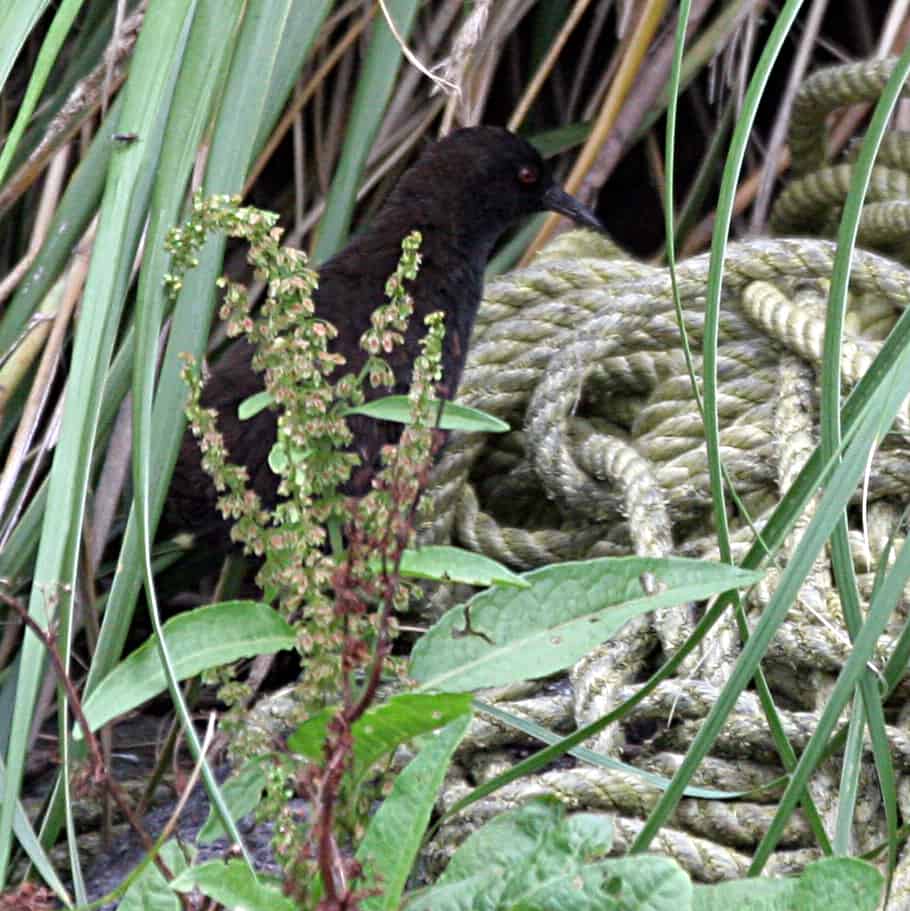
pixel 487 177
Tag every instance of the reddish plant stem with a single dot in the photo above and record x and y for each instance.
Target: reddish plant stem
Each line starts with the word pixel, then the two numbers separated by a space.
pixel 100 772
pixel 340 743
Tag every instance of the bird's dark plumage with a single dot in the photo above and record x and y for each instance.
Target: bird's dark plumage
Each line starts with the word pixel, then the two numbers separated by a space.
pixel 461 195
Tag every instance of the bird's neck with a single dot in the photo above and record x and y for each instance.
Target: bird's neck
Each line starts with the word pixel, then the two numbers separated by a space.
pixel 450 278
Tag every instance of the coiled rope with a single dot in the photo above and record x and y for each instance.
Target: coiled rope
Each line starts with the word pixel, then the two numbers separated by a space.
pixel 581 354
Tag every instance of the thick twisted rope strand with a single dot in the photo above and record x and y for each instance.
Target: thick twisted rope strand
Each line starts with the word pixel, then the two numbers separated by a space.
pixel 804 204
pixel 893 151
pixel 825 91
pixel 502 386
pixel 581 354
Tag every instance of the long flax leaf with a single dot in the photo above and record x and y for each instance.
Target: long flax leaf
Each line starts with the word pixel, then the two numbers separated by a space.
pixel 374 89
pixel 842 559
pixel 702 743
pixel 50 49
pixel 146 101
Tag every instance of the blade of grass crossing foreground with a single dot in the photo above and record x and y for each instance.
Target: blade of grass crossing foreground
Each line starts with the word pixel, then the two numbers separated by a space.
pixel 233 145
pixel 146 98
pixel 205 66
pixel 841 556
pixel 729 181
pixel 50 48
pixel 702 744
pixel 374 88
pixel 175 158
pixel 864 644
pixel 881 406
pixel 783 746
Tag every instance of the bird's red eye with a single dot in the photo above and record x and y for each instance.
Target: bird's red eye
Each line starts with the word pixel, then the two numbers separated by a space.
pixel 527 174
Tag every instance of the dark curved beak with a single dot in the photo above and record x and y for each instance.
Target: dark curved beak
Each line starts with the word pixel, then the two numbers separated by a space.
pixel 557 200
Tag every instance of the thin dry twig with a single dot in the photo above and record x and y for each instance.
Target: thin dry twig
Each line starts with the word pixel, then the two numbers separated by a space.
pixel 547 64
pixel 441 83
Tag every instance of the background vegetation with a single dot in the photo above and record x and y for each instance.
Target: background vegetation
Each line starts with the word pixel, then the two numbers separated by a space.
pixel 113 113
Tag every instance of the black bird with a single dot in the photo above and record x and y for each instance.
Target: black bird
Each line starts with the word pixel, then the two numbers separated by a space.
pixel 461 195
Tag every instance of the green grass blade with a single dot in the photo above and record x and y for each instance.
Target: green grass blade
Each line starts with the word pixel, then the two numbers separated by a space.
pixel 775 724
pixel 16 22
pixel 841 557
pixel 50 48
pixel 883 405
pixel 702 744
pixel 729 181
pixel 374 88
pixel 147 97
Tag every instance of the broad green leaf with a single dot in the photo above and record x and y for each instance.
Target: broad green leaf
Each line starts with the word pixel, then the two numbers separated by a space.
pixel 150 890
pixel 570 608
pixel 396 830
pixel 454 417
pixel 443 563
pixel 756 894
pixel 831 884
pixel 242 793
pixel 385 727
pixel 839 884
pixel 234 885
pixel 536 858
pixel 251 406
pixel 197 640
pixel 507 839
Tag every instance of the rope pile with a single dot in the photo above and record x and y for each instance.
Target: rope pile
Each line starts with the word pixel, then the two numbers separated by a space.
pixel 581 354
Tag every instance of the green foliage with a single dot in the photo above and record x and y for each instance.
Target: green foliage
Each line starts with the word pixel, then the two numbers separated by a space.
pixel 232 884
pixel 381 729
pixel 833 884
pixel 568 609
pixel 538 859
pixel 443 563
pixel 204 638
pixel 453 416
